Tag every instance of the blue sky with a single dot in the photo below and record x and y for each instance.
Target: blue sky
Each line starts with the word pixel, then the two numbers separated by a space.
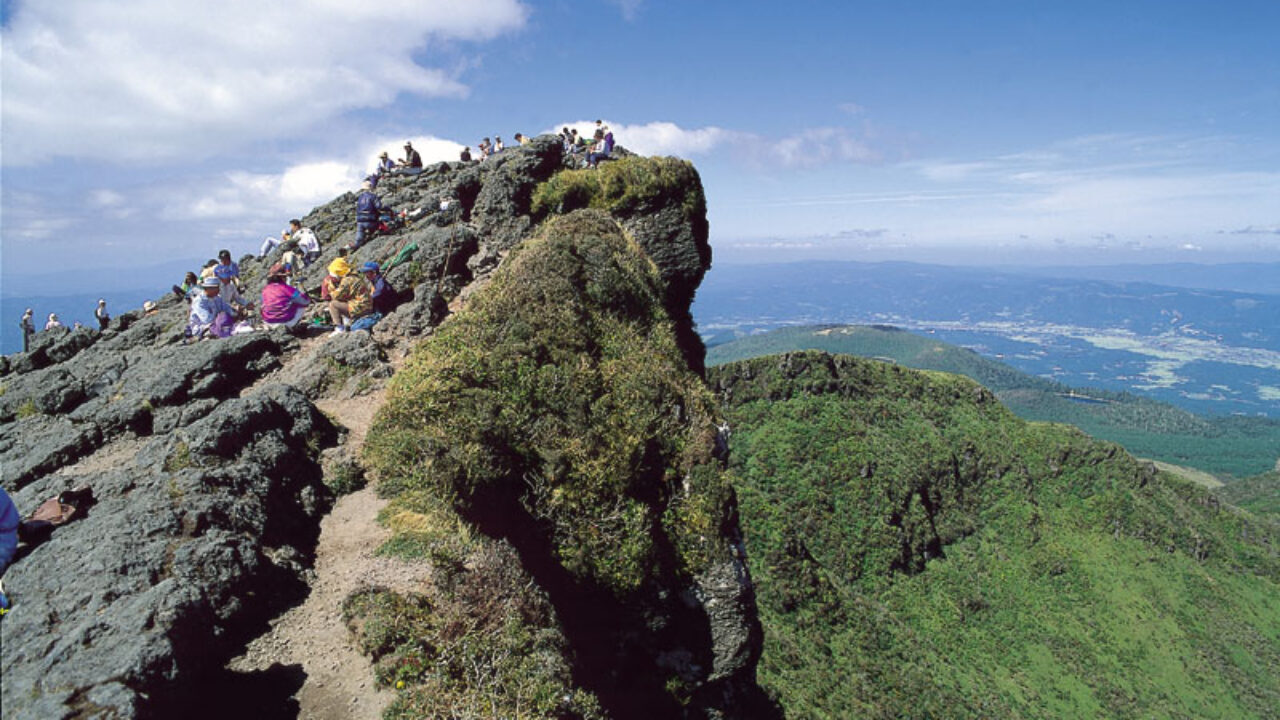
pixel 139 132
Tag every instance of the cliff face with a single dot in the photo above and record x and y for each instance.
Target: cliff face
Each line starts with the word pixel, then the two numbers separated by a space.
pixel 210 461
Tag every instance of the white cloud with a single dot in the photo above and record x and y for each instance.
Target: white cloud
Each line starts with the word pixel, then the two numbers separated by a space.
pixel 105 198
pixel 630 8
pixel 257 198
pixel 158 80
pixel 822 146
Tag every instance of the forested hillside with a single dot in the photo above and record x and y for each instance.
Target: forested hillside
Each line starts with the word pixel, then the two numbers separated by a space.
pixel 921 552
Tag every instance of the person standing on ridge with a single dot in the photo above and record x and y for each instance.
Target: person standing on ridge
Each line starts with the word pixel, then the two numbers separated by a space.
pixel 101 314
pixel 28 329
pixel 368 208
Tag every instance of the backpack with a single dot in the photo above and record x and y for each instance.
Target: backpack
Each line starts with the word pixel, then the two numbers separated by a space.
pixel 367 206
pixel 366 322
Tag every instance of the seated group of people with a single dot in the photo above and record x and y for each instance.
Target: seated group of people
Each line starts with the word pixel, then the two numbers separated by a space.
pixel 599 147
pixel 219 309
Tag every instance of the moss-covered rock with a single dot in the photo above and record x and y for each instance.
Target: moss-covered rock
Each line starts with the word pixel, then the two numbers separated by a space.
pixel 558 412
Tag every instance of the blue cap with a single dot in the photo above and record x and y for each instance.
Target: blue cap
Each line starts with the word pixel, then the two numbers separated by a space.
pixel 370 267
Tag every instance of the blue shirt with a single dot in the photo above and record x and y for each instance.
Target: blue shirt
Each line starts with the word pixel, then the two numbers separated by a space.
pixel 226 272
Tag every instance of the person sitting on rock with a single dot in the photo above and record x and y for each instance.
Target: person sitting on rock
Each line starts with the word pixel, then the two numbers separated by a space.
pixel 384 296
pixel 566 139
pixel 351 300
pixel 211 315
pixel 282 304
pixel 466 154
pixel 412 162
pixel 53 322
pixel 338 269
pixel 271 243
pixel 291 260
pixel 485 148
pixel 602 147
pixel 226 269
pixel 497 145
pixel 523 139
pixel 307 241
pixel 190 285
pixel 369 209
pixel 207 270
pixel 385 164
pixel 28 329
pixel 100 313
pixel 579 144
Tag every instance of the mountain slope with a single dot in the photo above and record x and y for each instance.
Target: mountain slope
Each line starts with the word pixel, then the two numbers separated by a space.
pixel 1235 446
pixel 920 552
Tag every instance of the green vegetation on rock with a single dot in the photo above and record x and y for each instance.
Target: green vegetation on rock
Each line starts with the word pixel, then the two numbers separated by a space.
pixel 557 416
pixel 921 552
pixel 1259 495
pixel 624 186
pixel 562 384
pixel 484 644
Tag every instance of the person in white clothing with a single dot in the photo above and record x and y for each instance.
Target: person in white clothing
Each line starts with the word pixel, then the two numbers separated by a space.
pixel 307 241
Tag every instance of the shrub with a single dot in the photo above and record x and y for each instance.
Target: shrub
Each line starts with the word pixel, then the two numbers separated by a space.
pixel 562 386
pixel 623 187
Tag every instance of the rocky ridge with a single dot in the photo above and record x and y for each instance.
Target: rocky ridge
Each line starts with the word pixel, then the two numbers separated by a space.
pixel 213 467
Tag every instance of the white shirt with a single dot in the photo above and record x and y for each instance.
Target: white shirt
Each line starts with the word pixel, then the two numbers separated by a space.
pixel 307 240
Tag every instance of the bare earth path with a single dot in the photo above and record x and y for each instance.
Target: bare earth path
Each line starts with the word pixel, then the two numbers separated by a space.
pixel 339 680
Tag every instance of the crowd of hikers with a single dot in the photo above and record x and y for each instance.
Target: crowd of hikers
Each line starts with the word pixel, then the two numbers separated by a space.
pixel 347 298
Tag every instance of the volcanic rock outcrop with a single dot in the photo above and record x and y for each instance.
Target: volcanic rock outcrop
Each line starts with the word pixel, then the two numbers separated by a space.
pixel 206 460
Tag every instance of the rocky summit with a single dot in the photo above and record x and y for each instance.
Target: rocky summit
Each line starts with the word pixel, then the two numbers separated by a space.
pixel 213 464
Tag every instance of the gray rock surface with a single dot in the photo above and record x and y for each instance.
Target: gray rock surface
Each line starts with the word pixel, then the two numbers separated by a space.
pixel 207 458
pixel 196 538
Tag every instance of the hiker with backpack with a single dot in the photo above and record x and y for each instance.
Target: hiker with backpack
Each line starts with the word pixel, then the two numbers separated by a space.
pixel 369 208
pixel 101 314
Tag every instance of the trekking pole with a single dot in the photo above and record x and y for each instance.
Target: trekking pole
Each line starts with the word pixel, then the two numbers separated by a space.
pixel 453 229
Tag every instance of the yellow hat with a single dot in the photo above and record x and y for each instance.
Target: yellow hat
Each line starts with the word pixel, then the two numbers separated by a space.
pixel 339 267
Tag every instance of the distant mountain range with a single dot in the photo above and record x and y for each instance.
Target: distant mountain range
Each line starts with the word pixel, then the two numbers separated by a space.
pixel 1236 446
pixel 1211 351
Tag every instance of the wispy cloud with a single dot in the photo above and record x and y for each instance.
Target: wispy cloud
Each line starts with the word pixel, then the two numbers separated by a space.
pixel 809 148
pixel 630 8
pixel 156 80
